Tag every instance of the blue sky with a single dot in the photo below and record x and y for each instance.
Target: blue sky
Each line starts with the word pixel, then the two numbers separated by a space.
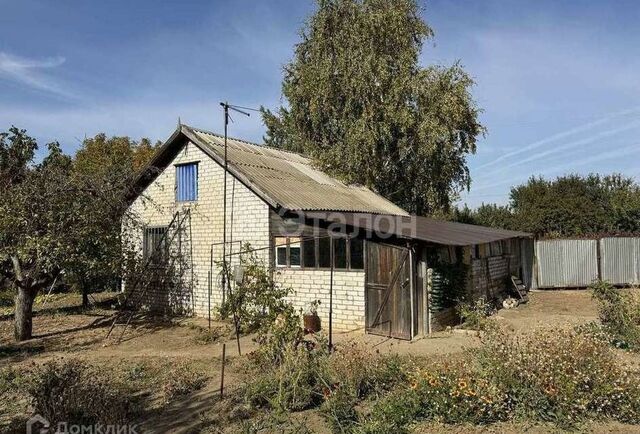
pixel 559 81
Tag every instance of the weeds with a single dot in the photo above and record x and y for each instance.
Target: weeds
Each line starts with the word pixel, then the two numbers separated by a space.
pixel 74 392
pixel 182 380
pixel 205 336
pixel 475 315
pixel 619 312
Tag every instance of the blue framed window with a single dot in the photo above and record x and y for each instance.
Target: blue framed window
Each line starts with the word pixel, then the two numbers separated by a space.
pixel 187 182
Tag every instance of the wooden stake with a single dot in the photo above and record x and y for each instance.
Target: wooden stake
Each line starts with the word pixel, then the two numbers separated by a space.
pixel 224 350
pixel 235 320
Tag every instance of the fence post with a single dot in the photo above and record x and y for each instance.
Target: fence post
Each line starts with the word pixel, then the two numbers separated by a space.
pixel 599 258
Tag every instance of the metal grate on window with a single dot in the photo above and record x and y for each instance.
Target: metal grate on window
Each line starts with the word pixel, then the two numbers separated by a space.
pixel 154 243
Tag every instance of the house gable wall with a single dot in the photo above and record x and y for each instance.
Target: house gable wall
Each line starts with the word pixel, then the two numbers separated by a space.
pixel 247 222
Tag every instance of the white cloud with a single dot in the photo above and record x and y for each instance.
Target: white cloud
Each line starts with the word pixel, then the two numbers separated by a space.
pixel 33 72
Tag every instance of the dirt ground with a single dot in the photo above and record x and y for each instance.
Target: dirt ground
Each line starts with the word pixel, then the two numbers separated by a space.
pixel 61 331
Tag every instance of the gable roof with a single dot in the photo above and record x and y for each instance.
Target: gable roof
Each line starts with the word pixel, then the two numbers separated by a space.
pixel 282 179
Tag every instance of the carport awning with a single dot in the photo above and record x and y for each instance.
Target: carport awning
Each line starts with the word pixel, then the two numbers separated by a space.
pixel 419 228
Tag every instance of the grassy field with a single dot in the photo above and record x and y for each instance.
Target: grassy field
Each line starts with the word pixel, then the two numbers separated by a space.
pixel 159 359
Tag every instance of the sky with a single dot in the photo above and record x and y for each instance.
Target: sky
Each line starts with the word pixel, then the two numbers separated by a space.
pixel 558 81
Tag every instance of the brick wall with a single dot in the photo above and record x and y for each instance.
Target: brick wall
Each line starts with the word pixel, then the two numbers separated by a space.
pixel 247 221
pixel 312 284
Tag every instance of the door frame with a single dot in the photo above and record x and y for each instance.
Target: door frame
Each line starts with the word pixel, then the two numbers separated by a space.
pixel 409 262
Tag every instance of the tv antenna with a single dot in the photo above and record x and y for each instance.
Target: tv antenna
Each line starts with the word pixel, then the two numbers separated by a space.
pixel 242 110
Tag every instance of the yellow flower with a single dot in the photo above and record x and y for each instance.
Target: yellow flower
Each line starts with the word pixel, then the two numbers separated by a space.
pixel 455 393
pixel 486 399
pixel 470 392
pixel 462 384
pixel 414 385
pixel 433 382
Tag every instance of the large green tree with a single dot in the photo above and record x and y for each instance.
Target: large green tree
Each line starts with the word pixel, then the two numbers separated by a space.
pixel 359 103
pixel 37 214
pixel 104 169
pixel 63 214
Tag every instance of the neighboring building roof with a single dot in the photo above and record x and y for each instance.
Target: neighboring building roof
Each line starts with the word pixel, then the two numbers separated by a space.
pixel 283 179
pixel 421 228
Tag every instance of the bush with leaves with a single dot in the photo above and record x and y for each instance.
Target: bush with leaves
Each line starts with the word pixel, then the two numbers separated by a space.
pixel 294 383
pixel 356 373
pixel 258 300
pixel 619 311
pixel 475 315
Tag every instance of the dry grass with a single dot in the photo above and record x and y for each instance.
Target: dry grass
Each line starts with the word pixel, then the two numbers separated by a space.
pixel 152 346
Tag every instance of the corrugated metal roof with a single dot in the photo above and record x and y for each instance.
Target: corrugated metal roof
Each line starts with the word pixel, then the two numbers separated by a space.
pixel 289 179
pixel 420 228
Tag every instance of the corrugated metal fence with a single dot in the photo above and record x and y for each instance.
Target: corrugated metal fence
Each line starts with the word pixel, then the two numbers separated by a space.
pixel 620 260
pixel 577 263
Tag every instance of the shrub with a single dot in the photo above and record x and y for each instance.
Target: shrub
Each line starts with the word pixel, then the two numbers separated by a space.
pixel 619 312
pixel 365 372
pixel 75 392
pixel 356 373
pixel 338 408
pixel 475 315
pixel 451 393
pixel 182 380
pixel 278 336
pixel 295 383
pixel 259 299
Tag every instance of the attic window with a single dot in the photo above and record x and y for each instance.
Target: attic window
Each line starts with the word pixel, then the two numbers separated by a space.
pixel 187 182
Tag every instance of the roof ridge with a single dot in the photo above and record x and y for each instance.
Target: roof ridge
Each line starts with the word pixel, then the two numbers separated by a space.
pixel 200 130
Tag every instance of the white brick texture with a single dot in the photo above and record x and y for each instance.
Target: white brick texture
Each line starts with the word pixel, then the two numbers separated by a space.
pixel 312 284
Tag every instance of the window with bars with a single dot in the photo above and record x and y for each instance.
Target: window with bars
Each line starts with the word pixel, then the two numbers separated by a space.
pixel 154 244
pixel 187 182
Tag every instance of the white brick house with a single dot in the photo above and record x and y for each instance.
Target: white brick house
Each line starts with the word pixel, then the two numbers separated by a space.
pixel 318 235
pixel 263 184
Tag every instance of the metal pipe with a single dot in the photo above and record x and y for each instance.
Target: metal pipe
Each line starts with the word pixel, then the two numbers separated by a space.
pixel 331 255
pixel 411 290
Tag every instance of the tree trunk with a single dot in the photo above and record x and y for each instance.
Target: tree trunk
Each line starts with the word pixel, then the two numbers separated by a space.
pixel 24 314
pixel 85 295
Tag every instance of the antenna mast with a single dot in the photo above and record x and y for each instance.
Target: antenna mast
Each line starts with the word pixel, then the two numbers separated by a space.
pixel 225 271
